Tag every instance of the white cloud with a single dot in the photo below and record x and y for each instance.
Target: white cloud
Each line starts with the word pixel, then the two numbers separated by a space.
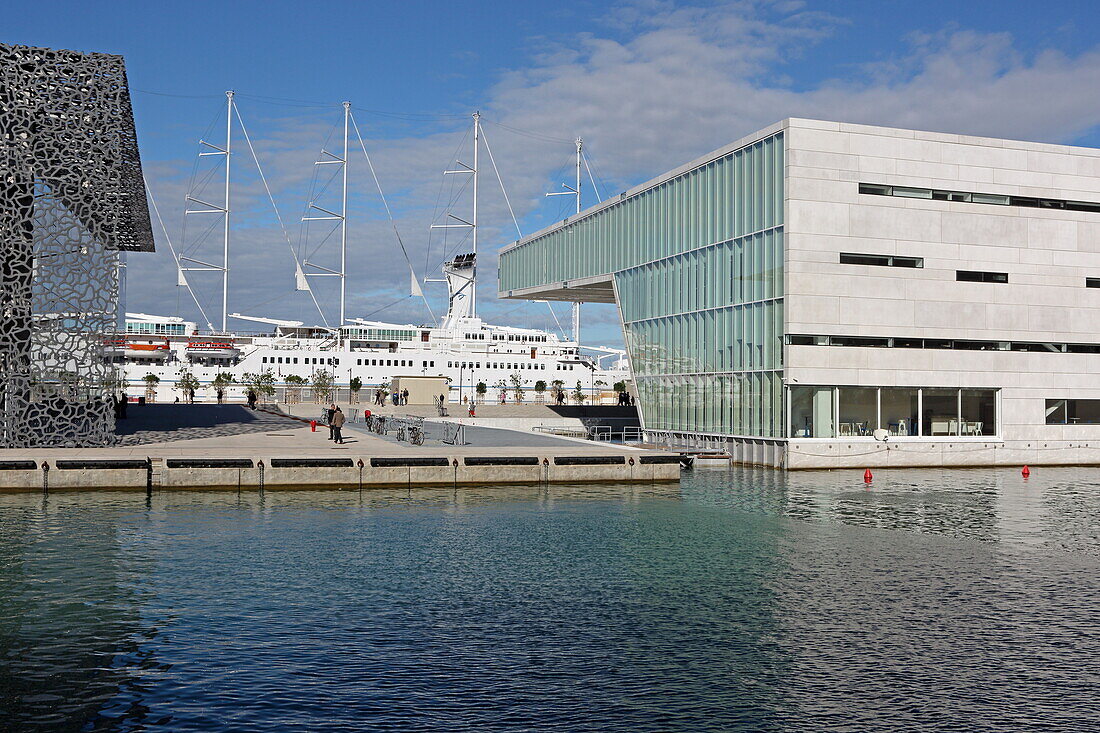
pixel 657 85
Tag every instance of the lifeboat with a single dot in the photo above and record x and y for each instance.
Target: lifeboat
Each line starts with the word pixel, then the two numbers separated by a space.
pixel 212 350
pixel 132 349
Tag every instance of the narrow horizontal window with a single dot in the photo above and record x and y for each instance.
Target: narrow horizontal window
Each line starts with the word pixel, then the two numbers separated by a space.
pixel 913 193
pixel 875 189
pixel 852 258
pixel 976 276
pixel 1073 412
pixel 900 342
pixel 858 341
pixel 1092 282
pixel 995 199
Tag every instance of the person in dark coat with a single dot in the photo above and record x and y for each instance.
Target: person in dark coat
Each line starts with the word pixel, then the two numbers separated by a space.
pixel 336 424
pixel 329 412
pixel 251 399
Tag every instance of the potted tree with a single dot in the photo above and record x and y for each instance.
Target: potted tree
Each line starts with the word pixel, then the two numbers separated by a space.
pixel 540 387
pixel 480 390
pixel 354 385
pixel 600 384
pixel 151 382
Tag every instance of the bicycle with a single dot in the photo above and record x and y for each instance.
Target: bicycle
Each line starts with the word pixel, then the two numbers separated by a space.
pixel 416 435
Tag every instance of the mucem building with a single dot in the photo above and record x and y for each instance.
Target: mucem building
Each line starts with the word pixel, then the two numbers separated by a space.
pixel 821 294
pixel 72 200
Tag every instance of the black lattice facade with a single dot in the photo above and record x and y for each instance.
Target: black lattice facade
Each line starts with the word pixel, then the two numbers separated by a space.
pixel 72 197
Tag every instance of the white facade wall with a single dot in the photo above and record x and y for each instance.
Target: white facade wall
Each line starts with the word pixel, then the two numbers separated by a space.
pixel 1047 254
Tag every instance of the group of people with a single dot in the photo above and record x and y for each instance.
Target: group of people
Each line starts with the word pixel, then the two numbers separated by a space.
pixel 335 420
pixel 625 399
pixel 397 398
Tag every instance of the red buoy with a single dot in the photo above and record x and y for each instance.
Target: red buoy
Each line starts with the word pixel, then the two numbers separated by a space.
pixel 313 426
pixel 867 476
pixel 1026 472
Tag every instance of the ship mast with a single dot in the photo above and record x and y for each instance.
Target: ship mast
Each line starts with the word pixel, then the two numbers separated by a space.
pixel 215 209
pixel 328 158
pixel 473 219
pixel 459 283
pixel 575 191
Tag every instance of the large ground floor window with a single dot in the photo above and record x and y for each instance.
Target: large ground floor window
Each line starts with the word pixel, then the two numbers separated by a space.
pixel 841 412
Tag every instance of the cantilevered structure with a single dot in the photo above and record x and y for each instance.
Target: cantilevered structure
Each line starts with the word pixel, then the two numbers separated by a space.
pixel 826 294
pixel 72 197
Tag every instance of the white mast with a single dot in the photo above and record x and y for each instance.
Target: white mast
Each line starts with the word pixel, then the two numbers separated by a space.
pixel 215 209
pixel 574 191
pixel 225 239
pixel 473 221
pixel 462 287
pixel 342 217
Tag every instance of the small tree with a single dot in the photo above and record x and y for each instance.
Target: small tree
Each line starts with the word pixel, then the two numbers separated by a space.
pixel 262 383
pixel 481 389
pixel 503 387
pixel 619 387
pixel 540 387
pixel 322 385
pixel 559 389
pixel 578 393
pixel 187 383
pixel 355 384
pixel 517 386
pixel 221 381
pixel 151 381
pixel 293 388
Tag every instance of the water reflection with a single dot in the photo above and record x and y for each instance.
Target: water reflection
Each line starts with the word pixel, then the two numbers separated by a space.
pixel 1055 508
pixel 739 600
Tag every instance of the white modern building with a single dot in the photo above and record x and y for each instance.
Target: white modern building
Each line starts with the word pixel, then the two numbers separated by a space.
pixel 821 294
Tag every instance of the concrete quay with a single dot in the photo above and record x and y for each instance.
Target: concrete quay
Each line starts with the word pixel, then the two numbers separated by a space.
pixel 271 450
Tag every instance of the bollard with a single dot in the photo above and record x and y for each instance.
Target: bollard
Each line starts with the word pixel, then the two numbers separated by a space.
pixel 45 477
pixel 360 464
pixel 868 476
pixel 260 465
pixel 313 426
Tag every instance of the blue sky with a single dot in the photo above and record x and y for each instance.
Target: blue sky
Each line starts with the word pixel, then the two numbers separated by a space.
pixel 649 85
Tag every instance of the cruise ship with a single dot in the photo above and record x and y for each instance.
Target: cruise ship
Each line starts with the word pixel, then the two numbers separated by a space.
pixel 462 348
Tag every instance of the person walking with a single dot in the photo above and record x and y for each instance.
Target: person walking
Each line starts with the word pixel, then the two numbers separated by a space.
pixel 404 397
pixel 251 399
pixel 336 424
pixel 329 412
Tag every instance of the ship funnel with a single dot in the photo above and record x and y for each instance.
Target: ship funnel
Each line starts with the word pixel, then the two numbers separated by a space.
pixel 459 273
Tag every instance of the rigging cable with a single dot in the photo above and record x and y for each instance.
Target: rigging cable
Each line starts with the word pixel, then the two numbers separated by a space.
pixel 172 249
pixel 389 213
pixel 278 217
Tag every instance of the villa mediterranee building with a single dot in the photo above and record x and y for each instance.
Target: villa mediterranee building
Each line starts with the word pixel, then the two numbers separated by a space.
pixel 821 294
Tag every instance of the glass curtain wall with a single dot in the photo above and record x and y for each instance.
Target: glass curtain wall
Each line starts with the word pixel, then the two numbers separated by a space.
pixel 703 310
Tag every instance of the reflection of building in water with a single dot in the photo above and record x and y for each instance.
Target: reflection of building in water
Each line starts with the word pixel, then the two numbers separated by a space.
pixel 819 294
pixel 72 199
pixel 70 627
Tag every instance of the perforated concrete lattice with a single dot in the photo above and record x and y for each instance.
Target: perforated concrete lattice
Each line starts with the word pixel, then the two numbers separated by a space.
pixel 72 198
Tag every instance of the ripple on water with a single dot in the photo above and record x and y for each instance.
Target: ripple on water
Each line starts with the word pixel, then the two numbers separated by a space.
pixel 744 600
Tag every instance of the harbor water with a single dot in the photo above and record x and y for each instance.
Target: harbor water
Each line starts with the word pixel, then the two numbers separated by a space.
pixel 738 600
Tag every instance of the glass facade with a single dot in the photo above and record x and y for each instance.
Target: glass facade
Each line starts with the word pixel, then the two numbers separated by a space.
pixel 698 268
